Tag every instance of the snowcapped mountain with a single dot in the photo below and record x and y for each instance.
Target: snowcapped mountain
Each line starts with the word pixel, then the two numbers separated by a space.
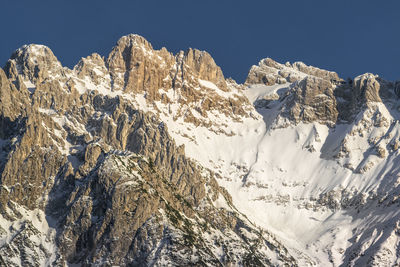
pixel 151 158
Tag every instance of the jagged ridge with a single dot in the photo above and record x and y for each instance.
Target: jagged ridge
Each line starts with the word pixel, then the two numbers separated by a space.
pixel 106 182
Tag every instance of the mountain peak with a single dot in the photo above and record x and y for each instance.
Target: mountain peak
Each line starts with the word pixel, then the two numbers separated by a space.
pixel 35 53
pixel 270 72
pixel 134 40
pixel 32 50
pixel 33 62
pixel 205 66
pixel 367 87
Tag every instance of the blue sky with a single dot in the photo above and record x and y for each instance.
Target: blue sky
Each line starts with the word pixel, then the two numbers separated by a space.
pixel 350 37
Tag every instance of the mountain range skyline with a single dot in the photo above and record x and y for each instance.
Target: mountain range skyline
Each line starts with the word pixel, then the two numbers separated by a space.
pixel 349 38
pixel 212 133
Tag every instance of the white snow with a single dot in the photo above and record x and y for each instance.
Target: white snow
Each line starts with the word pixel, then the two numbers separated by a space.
pixel 30 86
pixel 260 91
pixel 49 112
pixel 208 84
pixel 45 240
pixel 276 175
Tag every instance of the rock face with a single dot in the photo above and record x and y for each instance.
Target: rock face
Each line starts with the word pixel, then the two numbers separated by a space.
pixel 136 67
pixel 89 178
pixel 35 63
pixel 312 99
pixel 270 72
pixel 311 95
pixel 316 94
pixel 366 88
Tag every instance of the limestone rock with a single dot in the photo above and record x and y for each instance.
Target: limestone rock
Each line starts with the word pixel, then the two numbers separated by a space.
pixel 12 101
pixel 270 72
pixel 204 67
pixel 367 88
pixel 135 67
pixel 317 72
pixel 312 99
pixel 34 63
pixel 106 176
pixel 93 67
pixel 355 95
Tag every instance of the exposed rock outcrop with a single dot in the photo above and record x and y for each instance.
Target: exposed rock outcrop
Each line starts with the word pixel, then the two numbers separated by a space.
pixel 270 72
pixel 34 63
pixel 311 90
pixel 136 67
pixel 357 94
pixel 106 178
pixel 312 99
pixel 366 88
pixel 95 167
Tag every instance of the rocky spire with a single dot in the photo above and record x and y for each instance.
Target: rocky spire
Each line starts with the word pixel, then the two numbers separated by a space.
pixel 135 67
pixel 366 88
pixel 204 67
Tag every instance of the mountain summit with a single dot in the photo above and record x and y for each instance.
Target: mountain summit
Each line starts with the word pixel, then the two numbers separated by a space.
pixel 146 158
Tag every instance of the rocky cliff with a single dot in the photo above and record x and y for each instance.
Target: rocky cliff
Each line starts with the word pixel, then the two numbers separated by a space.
pixel 87 177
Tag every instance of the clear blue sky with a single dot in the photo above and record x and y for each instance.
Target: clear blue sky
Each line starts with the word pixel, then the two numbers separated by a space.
pixel 348 36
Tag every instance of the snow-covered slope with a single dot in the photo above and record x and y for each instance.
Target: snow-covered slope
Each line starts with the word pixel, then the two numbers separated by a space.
pixel 329 192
